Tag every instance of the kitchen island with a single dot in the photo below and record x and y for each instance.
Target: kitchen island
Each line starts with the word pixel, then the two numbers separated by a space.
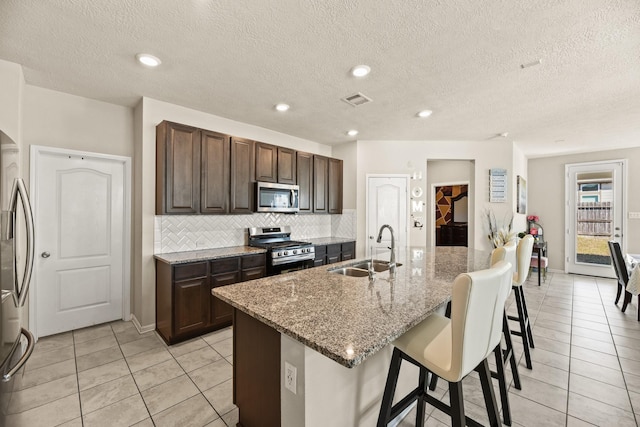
pixel 336 332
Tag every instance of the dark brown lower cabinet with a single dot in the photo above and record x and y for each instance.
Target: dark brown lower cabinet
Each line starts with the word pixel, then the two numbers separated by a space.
pixel 185 307
pixel 335 252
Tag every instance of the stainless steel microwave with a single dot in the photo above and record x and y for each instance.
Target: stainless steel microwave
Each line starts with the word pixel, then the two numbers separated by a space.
pixel 276 197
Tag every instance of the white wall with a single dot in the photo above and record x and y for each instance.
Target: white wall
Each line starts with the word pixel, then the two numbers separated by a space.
pixel 407 156
pixel 11 90
pixel 547 197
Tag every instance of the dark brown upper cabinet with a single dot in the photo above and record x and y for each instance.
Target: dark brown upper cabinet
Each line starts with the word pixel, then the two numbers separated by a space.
pixel 335 186
pixel 320 184
pixel 266 162
pixel 304 177
pixel 242 175
pixel 286 165
pixel 214 154
pixel 177 169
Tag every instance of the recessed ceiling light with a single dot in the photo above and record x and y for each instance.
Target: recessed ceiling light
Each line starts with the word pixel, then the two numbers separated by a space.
pixel 425 113
pixel 148 60
pixel 360 70
pixel 352 132
pixel 282 107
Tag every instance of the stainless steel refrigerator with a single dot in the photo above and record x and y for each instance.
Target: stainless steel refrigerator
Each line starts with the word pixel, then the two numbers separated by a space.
pixel 16 264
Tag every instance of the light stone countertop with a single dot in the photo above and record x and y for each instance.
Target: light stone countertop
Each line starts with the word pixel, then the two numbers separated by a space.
pixel 329 240
pixel 348 318
pixel 206 254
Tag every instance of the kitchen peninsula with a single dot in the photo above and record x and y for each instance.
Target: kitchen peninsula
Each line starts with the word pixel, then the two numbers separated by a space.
pixel 330 335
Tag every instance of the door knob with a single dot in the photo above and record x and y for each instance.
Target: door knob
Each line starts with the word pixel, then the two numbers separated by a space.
pixel 616 235
pixel 45 254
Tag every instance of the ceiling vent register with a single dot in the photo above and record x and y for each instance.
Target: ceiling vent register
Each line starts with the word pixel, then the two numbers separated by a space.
pixel 357 99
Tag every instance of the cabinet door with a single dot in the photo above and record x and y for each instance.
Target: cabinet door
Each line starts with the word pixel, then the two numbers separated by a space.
pixel 221 312
pixel 304 178
pixel 242 182
pixel 266 162
pixel 214 153
pixel 286 166
pixel 334 253
pixel 177 169
pixel 335 186
pixel 191 306
pixel 320 184
pixel 348 251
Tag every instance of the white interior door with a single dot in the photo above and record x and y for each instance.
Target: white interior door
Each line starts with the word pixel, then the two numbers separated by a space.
pixel 594 215
pixel 81 222
pixel 387 203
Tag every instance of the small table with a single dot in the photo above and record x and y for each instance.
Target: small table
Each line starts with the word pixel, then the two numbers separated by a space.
pixel 541 249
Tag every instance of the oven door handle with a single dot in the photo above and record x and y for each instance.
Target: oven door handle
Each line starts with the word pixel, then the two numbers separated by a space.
pixel 31 342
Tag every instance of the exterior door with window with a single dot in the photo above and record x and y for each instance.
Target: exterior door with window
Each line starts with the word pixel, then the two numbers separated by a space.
pixel 594 215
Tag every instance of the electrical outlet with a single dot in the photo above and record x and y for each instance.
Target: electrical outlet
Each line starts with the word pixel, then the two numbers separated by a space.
pixel 290 377
pixel 634 215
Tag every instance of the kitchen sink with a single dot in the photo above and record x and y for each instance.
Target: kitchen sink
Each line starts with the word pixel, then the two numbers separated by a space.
pixel 350 271
pixel 377 265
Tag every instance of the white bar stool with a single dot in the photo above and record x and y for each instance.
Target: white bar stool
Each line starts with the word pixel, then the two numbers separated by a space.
pixel 452 348
pixel 525 247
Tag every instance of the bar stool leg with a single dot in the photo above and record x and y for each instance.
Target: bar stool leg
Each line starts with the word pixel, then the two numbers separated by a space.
pixel 523 321
pixel 390 389
pixel 487 391
pixel 526 314
pixel 422 384
pixel 509 354
pixel 457 404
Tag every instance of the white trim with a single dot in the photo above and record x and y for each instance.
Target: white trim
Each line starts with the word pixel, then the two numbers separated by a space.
pixel 142 329
pixel 407 178
pixel 35 152
pixel 432 216
pixel 567 190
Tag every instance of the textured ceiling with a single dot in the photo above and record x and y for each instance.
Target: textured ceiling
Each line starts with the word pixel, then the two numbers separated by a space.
pixel 459 58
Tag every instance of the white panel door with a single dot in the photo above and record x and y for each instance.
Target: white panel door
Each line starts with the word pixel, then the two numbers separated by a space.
pixel 80 229
pixel 387 203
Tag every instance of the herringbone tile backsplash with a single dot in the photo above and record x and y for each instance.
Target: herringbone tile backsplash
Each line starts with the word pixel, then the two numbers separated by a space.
pixel 176 233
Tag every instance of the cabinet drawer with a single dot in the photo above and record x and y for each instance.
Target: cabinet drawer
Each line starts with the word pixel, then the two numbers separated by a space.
pixel 225 265
pixel 333 258
pixel 225 279
pixel 336 248
pixel 321 250
pixel 189 271
pixel 253 273
pixel 250 261
pixel 349 247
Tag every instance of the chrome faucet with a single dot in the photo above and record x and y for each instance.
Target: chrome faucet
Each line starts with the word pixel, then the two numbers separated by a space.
pixel 392 259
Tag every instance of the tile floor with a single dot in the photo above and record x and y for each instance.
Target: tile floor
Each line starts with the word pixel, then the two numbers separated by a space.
pixel 586 370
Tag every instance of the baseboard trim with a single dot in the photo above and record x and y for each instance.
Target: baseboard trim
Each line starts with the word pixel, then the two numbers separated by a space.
pixel 142 329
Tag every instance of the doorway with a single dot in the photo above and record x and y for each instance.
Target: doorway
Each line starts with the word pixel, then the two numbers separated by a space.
pixel 594 215
pixel 451 214
pixel 387 203
pixel 82 221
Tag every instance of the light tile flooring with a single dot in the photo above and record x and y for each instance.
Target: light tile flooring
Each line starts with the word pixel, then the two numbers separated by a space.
pixel 586 370
pixel 110 375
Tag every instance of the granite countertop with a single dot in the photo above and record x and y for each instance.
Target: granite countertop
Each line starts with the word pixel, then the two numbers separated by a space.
pixel 205 254
pixel 329 240
pixel 350 318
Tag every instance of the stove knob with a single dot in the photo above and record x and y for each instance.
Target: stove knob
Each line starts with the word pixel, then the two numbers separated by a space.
pixel 279 253
pixel 295 251
pixel 286 252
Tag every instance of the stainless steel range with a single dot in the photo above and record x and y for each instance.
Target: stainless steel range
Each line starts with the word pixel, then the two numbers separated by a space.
pixel 283 254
